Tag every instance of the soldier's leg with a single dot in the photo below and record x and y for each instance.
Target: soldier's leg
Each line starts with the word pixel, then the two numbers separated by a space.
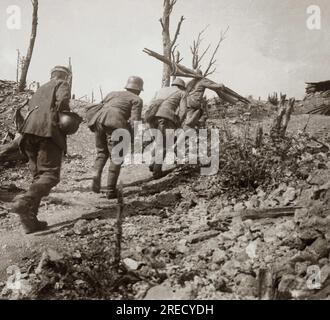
pixel 30 146
pixel 155 146
pixel 48 166
pixel 101 158
pixel 163 125
pixel 114 168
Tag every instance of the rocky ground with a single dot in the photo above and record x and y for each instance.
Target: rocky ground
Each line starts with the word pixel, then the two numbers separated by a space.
pixel 184 236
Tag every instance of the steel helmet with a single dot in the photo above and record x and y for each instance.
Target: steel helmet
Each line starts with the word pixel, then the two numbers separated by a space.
pixel 135 83
pixel 69 122
pixel 179 82
pixel 61 69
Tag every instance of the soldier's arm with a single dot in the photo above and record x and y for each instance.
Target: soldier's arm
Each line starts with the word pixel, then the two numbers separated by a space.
pixel 63 96
pixel 209 84
pixel 136 110
pixel 182 107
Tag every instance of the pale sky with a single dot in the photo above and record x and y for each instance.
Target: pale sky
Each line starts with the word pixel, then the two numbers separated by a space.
pixel 268 47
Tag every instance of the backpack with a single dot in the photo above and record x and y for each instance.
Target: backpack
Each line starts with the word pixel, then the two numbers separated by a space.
pixel 150 114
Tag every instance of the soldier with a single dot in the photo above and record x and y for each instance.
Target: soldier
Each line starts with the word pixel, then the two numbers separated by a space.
pixel 44 144
pixel 170 114
pixel 196 89
pixel 119 111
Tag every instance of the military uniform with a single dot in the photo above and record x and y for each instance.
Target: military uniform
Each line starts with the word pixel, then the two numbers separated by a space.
pixel 44 144
pixel 169 116
pixel 195 101
pixel 119 108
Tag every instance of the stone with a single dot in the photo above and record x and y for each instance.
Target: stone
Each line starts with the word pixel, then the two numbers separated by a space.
pixel 173 228
pixel 231 268
pixel 287 284
pixel 320 247
pixel 166 292
pixel 241 256
pixel 212 244
pixel 251 249
pixel 301 268
pixel 252 203
pixel 167 199
pixel 219 282
pixel 323 262
pixel 289 196
pixel 261 195
pixel 81 227
pixel 54 255
pixel 246 285
pixel 182 246
pixel 319 177
pixel 239 207
pixel 131 264
pixel 270 235
pixel 325 273
pixel 48 255
pixel 219 256
pixel 195 238
pixel 161 292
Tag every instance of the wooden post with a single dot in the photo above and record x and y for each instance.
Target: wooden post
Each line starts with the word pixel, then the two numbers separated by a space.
pixel 18 65
pixel 70 79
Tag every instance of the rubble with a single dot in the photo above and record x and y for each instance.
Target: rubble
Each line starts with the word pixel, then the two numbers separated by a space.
pixel 257 230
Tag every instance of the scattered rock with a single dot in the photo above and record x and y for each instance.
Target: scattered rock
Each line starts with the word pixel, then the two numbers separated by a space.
pixel 325 273
pixel 219 256
pixel 81 227
pixel 166 292
pixel 202 236
pixel 289 196
pixel 131 264
pixel 246 285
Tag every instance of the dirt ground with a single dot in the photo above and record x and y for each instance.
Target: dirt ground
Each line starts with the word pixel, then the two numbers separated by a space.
pixel 169 217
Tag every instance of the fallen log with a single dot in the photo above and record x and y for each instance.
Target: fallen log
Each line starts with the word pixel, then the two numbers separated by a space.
pixel 254 214
pixel 178 70
pixel 202 236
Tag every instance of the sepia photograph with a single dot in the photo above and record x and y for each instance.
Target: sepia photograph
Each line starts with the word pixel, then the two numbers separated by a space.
pixel 165 150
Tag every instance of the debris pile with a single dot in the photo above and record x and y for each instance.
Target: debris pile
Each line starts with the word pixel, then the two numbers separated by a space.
pixel 317 99
pixel 239 111
pixel 9 101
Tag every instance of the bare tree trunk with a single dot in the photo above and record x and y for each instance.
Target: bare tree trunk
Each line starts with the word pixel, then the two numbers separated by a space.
pixel 27 60
pixel 17 65
pixel 168 44
pixel 165 21
pixel 280 123
pixel 70 79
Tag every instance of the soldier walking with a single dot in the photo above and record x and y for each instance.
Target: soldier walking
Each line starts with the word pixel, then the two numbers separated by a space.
pixel 170 114
pixel 119 111
pixel 44 143
pixel 195 93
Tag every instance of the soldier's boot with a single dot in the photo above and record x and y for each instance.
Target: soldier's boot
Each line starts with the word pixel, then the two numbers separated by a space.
pixel 31 224
pixel 157 172
pixel 96 182
pixel 113 176
pixel 27 208
pixel 151 167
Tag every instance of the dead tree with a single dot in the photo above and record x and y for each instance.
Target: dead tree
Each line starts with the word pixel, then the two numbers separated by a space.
pixel 18 65
pixel 168 43
pixel 27 60
pixel 70 78
pixel 197 57
pixel 280 123
pixel 180 70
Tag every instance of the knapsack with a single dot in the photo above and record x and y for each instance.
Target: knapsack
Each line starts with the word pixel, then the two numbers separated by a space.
pixel 150 114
